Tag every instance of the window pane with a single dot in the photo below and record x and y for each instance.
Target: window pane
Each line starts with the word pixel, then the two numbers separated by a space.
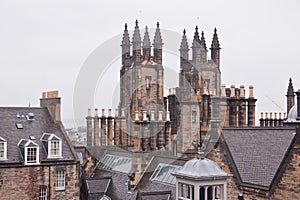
pixel 31 154
pixel 60 180
pixel 43 193
pixel 2 150
pixel 54 148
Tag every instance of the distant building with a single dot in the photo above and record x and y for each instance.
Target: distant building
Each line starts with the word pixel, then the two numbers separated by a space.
pixel 37 160
pixel 152 138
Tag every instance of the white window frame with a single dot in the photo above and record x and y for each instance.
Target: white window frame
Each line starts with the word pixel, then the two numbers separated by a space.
pixel 50 149
pixel 43 193
pixel 60 181
pixel 4 142
pixel 26 149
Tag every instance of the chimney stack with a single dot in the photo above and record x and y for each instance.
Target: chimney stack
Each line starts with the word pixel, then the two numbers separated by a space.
pixel 51 100
pixel 96 129
pixel 251 107
pixel 298 104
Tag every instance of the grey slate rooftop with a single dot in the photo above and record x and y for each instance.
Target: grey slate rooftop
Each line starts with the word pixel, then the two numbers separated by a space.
pixel 42 123
pixel 258 153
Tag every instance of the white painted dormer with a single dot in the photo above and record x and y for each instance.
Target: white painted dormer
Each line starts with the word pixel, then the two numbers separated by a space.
pixel 30 151
pixel 3 149
pixel 52 145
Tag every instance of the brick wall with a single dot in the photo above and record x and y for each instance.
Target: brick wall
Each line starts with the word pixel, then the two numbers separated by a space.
pixel 24 182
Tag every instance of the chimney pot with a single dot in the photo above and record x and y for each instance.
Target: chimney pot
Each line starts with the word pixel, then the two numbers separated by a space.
pixel 96 112
pixel 232 91
pixel 261 115
pixel 109 112
pixel 103 112
pixel 89 112
pixel 242 91
pixel 223 90
pixel 251 91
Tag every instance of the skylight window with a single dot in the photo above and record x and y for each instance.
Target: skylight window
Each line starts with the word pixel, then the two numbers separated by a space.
pixel 19 125
pixel 163 174
pixel 116 163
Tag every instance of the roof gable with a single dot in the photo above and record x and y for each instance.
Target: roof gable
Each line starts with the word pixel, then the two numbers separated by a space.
pixel 258 153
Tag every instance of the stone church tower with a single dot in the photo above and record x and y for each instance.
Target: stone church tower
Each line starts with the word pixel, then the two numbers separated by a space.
pixel 187 118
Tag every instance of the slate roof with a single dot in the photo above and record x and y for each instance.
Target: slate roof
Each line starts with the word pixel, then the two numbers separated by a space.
pixel 98 186
pixel 257 153
pixel 42 123
pixel 145 189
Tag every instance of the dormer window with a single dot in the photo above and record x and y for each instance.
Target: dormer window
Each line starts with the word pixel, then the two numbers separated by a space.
pixel 52 144
pixel 30 151
pixel 3 149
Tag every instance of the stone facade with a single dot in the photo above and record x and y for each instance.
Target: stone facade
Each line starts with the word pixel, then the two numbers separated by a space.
pixel 25 182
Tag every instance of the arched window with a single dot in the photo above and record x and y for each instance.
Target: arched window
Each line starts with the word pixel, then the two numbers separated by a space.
pixel 210 193
pixel 202 193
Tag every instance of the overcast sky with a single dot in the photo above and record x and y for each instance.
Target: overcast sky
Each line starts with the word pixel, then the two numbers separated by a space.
pixel 44 44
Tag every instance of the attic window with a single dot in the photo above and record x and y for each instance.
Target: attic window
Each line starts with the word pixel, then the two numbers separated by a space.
pixel 3 149
pixel 52 144
pixel 30 151
pixel 19 125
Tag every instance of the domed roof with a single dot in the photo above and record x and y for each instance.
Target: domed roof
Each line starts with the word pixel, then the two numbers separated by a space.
pixel 201 169
pixel 292 115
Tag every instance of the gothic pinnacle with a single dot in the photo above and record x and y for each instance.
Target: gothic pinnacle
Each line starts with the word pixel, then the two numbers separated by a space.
pixel 215 42
pixel 146 41
pixel 202 41
pixel 196 41
pixel 136 33
pixel 157 43
pixel 184 43
pixel 125 40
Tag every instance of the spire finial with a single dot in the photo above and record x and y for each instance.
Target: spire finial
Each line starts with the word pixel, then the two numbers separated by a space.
pixel 183 31
pixel 202 34
pixel 157 24
pixel 136 23
pixel 196 29
pixel 215 30
pixel 125 26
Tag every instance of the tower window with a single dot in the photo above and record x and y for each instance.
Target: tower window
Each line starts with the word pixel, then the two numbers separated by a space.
pixel 148 79
pixel 194 116
pixel 186 191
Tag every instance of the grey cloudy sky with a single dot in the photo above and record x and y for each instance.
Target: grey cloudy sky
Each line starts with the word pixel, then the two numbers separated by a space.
pixel 43 44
